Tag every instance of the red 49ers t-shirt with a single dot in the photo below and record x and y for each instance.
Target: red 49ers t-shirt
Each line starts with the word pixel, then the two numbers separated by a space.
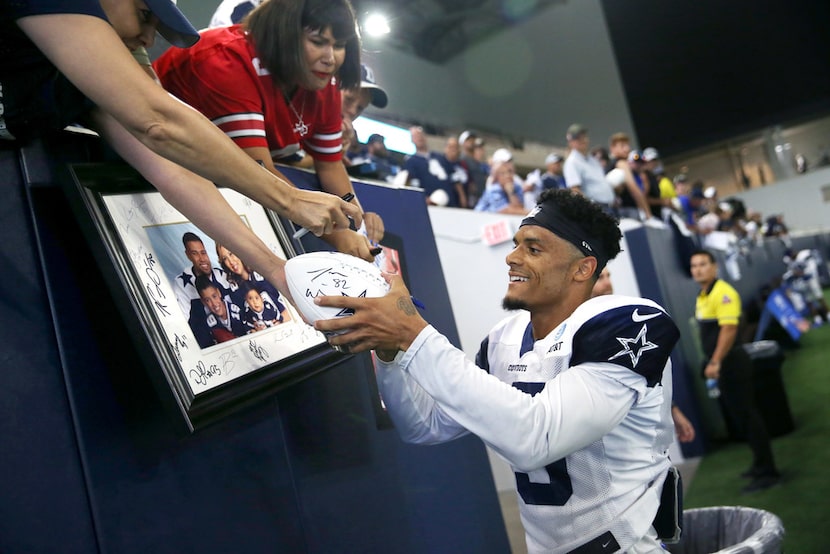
pixel 221 76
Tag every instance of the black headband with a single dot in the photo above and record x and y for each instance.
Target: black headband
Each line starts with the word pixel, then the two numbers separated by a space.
pixel 549 216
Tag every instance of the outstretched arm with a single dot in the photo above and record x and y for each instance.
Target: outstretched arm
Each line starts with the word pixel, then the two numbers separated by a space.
pixel 91 55
pixel 196 198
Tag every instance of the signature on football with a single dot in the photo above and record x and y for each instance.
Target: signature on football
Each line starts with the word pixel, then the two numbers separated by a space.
pixel 334 279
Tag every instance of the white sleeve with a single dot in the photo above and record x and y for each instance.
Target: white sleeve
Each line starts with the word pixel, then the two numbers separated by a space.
pixel 182 297
pixel 417 417
pixel 574 409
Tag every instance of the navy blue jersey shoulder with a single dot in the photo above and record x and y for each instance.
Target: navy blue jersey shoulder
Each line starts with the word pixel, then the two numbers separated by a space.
pixel 481 357
pixel 637 337
pixel 16 50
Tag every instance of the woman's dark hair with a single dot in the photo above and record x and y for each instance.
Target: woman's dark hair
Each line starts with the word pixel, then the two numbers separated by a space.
pixel 276 29
pixel 230 275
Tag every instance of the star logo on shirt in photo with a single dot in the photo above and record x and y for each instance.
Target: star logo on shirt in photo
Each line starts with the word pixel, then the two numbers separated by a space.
pixel 634 347
pixel 186 279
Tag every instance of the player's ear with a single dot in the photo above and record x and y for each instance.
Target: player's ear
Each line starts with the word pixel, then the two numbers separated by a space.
pixel 585 268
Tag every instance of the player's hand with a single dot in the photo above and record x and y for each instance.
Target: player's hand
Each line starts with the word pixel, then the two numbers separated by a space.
pixel 352 243
pixel 387 324
pixel 374 227
pixel 322 213
pixel 682 426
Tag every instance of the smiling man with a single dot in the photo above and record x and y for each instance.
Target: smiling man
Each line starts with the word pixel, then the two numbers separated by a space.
pixel 573 391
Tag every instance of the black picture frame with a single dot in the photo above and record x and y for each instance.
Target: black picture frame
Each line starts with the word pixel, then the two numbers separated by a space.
pixel 127 223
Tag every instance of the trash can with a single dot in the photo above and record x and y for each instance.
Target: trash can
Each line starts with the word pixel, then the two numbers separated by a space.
pixel 729 530
pixel 770 394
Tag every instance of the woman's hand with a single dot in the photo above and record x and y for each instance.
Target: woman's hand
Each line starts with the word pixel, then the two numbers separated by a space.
pixel 322 213
pixel 374 227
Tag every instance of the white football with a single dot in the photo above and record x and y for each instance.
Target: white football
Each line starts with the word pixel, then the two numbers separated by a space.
pixel 331 274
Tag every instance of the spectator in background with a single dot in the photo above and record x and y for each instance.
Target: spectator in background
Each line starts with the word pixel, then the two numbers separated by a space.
pixel 537 182
pixel 451 160
pixel 631 196
pixel 700 201
pixel 684 201
pixel 231 12
pixel 502 194
pixel 718 313
pixel 472 158
pixel 652 175
pixel 583 173
pixel 602 155
pixel 376 152
pixel 753 226
pixel 424 167
pixel 357 99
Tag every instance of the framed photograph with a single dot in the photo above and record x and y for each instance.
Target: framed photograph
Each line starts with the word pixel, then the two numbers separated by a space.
pixel 215 335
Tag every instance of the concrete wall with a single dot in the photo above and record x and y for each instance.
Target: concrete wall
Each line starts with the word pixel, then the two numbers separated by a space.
pixel 804 200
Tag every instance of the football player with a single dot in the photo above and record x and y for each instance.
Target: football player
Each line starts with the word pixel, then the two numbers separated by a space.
pixel 573 391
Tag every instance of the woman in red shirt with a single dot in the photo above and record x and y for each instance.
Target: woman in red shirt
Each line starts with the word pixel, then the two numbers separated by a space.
pixel 273 84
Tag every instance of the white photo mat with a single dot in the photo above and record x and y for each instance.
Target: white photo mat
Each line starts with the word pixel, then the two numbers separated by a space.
pixel 135 217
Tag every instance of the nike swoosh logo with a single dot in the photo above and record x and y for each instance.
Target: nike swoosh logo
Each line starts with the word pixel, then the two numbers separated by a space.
pixel 604 546
pixel 645 317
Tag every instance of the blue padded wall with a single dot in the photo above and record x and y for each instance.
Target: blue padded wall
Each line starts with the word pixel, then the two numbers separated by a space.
pixel 93 463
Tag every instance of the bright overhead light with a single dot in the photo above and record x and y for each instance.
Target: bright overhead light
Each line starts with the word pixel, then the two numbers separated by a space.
pixel 376 25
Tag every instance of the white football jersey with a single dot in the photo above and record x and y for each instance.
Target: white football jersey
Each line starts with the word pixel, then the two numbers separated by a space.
pixel 583 416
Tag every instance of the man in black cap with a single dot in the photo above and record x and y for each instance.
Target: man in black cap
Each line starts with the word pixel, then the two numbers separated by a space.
pixel 573 391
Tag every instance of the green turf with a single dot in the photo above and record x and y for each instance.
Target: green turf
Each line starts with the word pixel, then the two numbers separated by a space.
pixel 802 500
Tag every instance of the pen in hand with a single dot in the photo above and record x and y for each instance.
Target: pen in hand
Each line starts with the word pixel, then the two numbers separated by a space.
pixel 302 231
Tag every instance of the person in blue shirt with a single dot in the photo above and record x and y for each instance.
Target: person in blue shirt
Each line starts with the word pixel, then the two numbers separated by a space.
pixel 502 194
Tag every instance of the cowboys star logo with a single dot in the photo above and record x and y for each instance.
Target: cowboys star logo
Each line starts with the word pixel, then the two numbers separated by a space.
pixel 640 340
pixel 349 311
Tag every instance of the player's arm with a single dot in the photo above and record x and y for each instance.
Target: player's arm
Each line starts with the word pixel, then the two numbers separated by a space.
pixel 417 417
pixel 573 410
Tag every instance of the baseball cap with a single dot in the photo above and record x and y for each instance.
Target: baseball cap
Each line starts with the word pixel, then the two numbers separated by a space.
pixel 375 137
pixel 575 130
pixel 650 154
pixel 635 156
pixel 502 155
pixel 552 158
pixel 464 136
pixel 680 178
pixel 173 25
pixel 367 80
